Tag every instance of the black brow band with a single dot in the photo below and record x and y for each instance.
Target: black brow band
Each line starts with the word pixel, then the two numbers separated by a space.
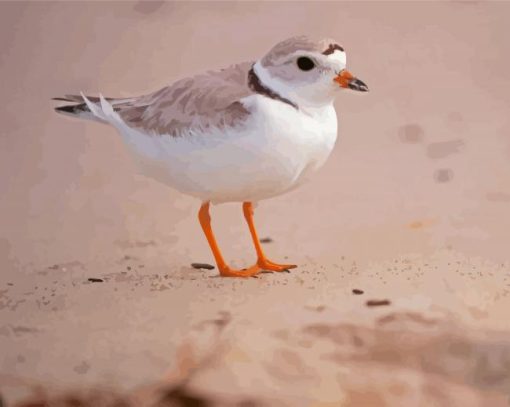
pixel 257 86
pixel 332 48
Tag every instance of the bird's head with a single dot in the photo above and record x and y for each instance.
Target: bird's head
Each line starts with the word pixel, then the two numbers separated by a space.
pixel 307 72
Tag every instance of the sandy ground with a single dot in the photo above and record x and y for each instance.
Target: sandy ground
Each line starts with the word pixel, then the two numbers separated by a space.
pixel 413 207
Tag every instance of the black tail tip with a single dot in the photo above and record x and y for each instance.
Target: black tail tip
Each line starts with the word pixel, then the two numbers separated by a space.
pixel 65 109
pixel 72 109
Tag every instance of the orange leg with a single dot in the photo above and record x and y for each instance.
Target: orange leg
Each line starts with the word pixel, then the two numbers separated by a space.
pixel 225 270
pixel 262 260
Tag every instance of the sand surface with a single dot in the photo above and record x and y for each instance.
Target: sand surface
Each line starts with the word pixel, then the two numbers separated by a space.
pixel 413 207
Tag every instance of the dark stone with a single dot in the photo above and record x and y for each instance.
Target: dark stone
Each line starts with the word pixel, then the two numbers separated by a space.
pixel 377 303
pixel 202 266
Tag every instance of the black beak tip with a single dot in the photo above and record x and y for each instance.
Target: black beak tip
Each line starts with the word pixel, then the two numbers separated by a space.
pixel 358 85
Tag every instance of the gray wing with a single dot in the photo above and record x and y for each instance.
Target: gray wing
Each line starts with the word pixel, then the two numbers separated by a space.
pixel 201 102
pixel 204 101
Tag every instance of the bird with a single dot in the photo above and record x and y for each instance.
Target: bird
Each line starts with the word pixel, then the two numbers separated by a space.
pixel 245 133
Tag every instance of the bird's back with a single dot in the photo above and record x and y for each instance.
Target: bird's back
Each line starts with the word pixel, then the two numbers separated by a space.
pixel 207 100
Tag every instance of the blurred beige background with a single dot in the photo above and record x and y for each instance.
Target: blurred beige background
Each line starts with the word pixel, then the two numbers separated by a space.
pixel 421 167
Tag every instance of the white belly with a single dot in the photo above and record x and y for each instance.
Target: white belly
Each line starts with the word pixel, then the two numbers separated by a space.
pixel 274 151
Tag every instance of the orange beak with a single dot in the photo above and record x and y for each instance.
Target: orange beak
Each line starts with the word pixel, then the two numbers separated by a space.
pixel 346 80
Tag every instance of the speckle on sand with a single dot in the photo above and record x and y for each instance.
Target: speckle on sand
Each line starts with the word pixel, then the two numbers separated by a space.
pixel 443 175
pixel 377 303
pixel 95 280
pixel 202 266
pixel 357 291
pixel 82 368
pixel 411 133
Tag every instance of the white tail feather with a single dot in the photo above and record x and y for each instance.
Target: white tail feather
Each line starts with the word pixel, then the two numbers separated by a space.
pixel 96 111
pixel 104 112
pixel 109 112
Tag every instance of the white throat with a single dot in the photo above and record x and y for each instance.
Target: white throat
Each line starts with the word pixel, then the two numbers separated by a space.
pixel 287 91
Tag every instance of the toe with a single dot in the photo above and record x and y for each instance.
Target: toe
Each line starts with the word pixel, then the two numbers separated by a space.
pixel 269 265
pixel 249 272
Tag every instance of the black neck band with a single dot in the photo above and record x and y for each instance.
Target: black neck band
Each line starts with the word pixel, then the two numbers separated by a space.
pixel 257 86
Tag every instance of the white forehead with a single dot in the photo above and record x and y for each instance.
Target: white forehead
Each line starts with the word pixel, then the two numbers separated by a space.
pixel 338 57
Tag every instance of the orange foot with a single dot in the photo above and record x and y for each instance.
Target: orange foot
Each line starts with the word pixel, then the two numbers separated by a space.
pixel 265 264
pixel 226 271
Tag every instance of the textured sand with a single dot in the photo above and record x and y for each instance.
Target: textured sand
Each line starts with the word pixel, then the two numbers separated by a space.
pixel 413 207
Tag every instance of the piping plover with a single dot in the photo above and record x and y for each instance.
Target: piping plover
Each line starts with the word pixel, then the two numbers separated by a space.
pixel 245 133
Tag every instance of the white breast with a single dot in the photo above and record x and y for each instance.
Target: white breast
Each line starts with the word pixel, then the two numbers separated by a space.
pixel 274 151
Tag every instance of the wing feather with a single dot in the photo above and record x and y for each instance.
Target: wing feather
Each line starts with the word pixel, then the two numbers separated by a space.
pixel 209 100
pixel 203 101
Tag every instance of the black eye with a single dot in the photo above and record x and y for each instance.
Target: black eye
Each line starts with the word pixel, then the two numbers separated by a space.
pixel 305 64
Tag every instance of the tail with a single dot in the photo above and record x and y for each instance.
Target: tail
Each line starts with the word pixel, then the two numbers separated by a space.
pixel 98 109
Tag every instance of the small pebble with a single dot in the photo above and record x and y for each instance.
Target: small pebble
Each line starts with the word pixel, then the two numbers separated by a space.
pixel 95 280
pixel 377 303
pixel 266 240
pixel 202 266
pixel 357 291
